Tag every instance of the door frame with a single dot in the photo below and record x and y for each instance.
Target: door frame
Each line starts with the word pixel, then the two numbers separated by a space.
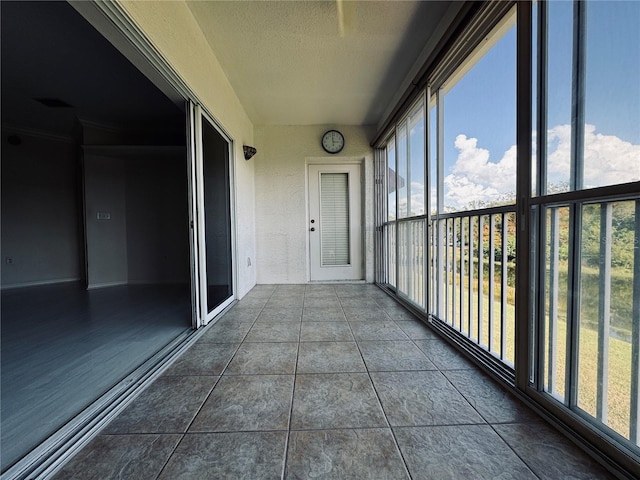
pixel 202 315
pixel 360 161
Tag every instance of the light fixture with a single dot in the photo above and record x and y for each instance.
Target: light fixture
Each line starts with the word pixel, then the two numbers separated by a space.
pixel 248 151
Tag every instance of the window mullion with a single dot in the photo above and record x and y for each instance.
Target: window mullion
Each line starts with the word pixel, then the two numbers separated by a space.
pixel 634 416
pixel 577 95
pixel 573 305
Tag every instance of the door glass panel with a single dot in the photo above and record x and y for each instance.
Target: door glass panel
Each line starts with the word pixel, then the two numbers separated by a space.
pixel 217 215
pixel 334 195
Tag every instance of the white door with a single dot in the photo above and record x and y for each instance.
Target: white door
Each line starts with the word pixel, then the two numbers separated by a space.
pixel 335 224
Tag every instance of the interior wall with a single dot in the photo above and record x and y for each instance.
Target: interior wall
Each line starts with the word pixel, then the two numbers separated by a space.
pixel 157 219
pixel 40 211
pixel 136 215
pixel 281 196
pixel 174 32
pixel 105 220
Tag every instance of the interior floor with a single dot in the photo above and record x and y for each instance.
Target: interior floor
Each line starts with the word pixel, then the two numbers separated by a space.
pixel 323 381
pixel 64 346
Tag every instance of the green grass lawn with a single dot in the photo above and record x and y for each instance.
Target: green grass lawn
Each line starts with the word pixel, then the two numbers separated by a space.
pixel 618 392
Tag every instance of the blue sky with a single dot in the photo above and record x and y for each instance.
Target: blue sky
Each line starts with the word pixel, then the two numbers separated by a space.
pixel 480 114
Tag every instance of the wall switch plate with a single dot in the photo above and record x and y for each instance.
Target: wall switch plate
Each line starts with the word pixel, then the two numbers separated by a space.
pixel 104 216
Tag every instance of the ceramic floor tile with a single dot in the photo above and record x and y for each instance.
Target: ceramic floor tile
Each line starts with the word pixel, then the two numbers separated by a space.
pixel 290 301
pixel 168 405
pixel 400 314
pixel 360 314
pixel 282 315
pixel 264 358
pixel 261 291
pixel 124 457
pixel 339 454
pixel 246 403
pixel 226 332
pixel 325 332
pixel 320 290
pixel 377 331
pixel 290 289
pixel 203 359
pixel 455 452
pixel 548 453
pixel 422 398
pixel 331 302
pixel 358 302
pixel 341 400
pixel 444 356
pixel 416 330
pixel 329 357
pixel 385 301
pixel 252 303
pixel 246 455
pixel 244 315
pixel 321 314
pixel 388 356
pixel 274 332
pixel 492 401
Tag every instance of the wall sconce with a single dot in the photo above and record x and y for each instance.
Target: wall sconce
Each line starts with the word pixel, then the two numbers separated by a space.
pixel 248 151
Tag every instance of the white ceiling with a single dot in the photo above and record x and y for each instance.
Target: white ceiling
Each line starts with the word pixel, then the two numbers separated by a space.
pixel 318 62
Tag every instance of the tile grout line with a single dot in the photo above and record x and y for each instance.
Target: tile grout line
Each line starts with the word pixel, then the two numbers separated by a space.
pixel 515 453
pixel 470 404
pixel 223 370
pixel 384 413
pixel 293 391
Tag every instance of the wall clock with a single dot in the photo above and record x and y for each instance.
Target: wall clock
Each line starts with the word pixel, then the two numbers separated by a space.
pixel 332 141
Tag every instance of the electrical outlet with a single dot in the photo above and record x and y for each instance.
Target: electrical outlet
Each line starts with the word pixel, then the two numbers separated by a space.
pixel 8 260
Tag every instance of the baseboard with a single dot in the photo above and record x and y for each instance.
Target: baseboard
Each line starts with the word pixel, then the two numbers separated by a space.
pixel 39 284
pixel 93 286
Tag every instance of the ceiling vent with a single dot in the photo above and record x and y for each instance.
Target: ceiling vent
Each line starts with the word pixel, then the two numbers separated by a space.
pixel 53 102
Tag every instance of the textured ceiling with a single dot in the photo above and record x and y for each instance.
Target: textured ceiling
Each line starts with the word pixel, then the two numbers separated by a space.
pixel 317 62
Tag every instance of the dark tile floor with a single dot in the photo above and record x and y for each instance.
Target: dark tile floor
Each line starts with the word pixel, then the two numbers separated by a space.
pixel 322 381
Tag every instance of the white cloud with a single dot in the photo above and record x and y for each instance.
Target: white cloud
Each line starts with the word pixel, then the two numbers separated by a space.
pixel 474 178
pixel 608 160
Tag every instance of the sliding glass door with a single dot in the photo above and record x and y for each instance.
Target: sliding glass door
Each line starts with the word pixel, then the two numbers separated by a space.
pixel 212 247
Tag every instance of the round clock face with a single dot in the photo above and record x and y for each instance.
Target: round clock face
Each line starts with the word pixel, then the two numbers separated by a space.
pixel 332 141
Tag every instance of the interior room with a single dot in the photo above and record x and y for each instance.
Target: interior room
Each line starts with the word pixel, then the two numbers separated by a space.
pixel 95 228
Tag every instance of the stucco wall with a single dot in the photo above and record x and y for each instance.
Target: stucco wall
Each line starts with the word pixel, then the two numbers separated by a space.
pixel 281 196
pixel 171 28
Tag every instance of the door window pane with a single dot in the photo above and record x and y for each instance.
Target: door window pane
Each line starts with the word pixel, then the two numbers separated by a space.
pixel 217 215
pixel 334 206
